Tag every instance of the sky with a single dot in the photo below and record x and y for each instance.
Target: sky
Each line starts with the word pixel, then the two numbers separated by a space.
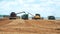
pixel 43 7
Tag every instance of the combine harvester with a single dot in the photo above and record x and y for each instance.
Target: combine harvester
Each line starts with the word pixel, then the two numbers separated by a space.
pixel 13 15
pixel 37 16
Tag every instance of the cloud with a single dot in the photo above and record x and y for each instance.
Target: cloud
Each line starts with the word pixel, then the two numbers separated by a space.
pixel 33 6
pixel 56 0
pixel 43 0
pixel 30 1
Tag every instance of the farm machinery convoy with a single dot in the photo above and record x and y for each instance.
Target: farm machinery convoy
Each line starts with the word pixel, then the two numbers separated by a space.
pixel 25 16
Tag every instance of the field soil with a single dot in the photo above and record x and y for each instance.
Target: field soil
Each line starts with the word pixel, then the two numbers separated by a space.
pixel 20 26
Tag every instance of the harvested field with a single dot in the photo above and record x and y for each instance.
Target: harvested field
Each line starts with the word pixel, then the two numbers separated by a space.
pixel 20 26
